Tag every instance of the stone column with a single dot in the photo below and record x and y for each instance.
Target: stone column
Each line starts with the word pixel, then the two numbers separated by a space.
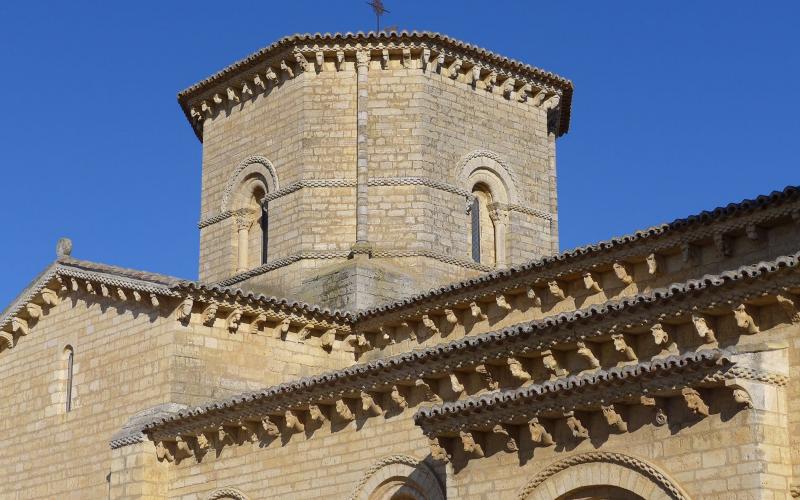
pixel 244 220
pixel 362 66
pixel 499 218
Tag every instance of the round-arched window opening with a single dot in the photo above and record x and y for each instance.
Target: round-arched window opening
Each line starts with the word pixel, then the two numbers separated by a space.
pixel 482 230
pixel 69 362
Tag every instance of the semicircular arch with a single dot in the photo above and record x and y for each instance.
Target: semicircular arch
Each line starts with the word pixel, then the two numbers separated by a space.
pixel 401 475
pixel 489 168
pixel 614 470
pixel 253 168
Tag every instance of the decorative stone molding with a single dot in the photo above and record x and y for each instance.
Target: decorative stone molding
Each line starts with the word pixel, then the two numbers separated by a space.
pixel 402 468
pixel 276 193
pixel 667 238
pixel 429 52
pixel 488 167
pixel 227 493
pixel 249 166
pixel 670 488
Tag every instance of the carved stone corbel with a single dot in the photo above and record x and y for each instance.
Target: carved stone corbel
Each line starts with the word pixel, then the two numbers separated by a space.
pixel 508 440
pixel 328 339
pixel 517 370
pixel 508 88
pixel 622 347
pixel 50 297
pixel 232 95
pixel 407 58
pixel 121 295
pixel 490 82
pixel 343 411
pixel 539 434
pixel 754 232
pixel 744 320
pixel 184 311
pixel 315 414
pixel 576 426
pixel 450 316
pixel 207 109
pixel 397 398
pixel 6 340
pixel 283 327
pixel 742 397
pixel 259 82
pixel 19 326
pixel 438 453
pixel 694 402
pixel 339 60
pixel 476 75
pixel 476 311
pixel 271 76
pixel 34 311
pixel 210 314
pixel 587 355
pixel 246 89
pixel 368 404
pixel 653 262
pixel 90 288
pixel 469 445
pixel 430 325
pixel 556 290
pixel 287 69
pixel 660 335
pixel 455 385
pixel 551 364
pixel 104 291
pixel 405 328
pixel 622 272
pixel 384 58
pixel 536 301
pixel 233 320
pixel 703 329
pixel 455 69
pixel 293 423
pixel 154 300
pixel 257 322
pixel 524 92
pixel 217 99
pixel 590 283
pixel 551 103
pixel 305 331
pixel 319 59
pixel 359 341
pixel 137 296
pixel 163 453
pixel 271 428
pixel 613 418
pixel 426 58
pixel 502 303
pixel 789 306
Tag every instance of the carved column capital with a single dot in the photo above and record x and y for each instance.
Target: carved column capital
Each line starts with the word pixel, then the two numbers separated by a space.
pixel 245 218
pixel 362 59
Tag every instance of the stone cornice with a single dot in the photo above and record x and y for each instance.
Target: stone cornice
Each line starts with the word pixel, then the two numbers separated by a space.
pixel 655 378
pixel 634 316
pixel 679 236
pixel 294 54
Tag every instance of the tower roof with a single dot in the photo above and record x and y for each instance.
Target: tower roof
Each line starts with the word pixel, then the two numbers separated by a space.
pixel 307 52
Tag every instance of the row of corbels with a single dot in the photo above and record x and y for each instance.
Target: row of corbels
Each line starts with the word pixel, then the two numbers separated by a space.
pixel 512 87
pixel 543 291
pixel 50 296
pixel 630 341
pixel 300 418
pixel 569 425
pixel 237 319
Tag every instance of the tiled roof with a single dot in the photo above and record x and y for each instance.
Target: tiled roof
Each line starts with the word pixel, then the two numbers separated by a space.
pixel 787 195
pixel 355 39
pixel 653 367
pixel 372 368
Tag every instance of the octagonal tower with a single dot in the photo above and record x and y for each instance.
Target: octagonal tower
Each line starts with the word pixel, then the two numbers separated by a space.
pixel 349 170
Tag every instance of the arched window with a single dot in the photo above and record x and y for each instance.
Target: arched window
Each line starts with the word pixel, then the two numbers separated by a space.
pixel 244 195
pixel 483 233
pixel 69 359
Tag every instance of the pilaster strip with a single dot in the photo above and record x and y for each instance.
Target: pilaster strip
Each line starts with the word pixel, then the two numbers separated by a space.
pixel 362 152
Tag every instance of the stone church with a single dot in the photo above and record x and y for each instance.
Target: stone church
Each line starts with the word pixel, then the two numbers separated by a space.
pixel 399 189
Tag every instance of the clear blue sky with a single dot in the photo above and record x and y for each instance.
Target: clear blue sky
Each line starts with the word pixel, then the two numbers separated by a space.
pixel 679 107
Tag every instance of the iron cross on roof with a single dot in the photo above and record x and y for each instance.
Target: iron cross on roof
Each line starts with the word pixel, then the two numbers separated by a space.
pixel 377 6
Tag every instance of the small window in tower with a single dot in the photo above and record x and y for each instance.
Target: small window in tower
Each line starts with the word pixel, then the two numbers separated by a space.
pixel 69 357
pixel 483 244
